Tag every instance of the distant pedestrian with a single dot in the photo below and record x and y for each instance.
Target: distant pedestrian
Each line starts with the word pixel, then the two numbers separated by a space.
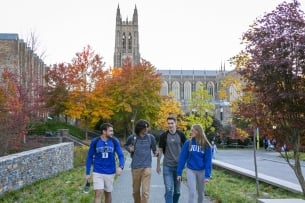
pixel 140 146
pixel 214 149
pixel 170 144
pixel 101 154
pixel 197 155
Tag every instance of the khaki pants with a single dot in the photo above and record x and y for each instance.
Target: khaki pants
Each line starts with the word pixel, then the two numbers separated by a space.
pixel 141 184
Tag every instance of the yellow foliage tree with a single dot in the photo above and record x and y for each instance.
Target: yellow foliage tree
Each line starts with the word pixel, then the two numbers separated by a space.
pixel 170 107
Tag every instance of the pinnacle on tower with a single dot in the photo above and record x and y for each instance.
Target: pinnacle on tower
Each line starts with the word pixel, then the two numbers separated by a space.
pixel 135 16
pixel 118 16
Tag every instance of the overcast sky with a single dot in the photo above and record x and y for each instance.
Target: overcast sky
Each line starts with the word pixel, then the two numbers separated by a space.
pixel 173 34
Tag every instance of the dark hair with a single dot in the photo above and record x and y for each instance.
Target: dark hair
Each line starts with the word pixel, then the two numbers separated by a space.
pixel 140 125
pixel 172 118
pixel 105 126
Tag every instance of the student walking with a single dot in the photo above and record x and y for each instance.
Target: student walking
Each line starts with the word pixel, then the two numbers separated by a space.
pixel 197 154
pixel 101 154
pixel 214 149
pixel 170 144
pixel 140 147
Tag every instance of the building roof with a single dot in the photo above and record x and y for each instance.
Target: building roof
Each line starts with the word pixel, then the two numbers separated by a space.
pixel 9 36
pixel 189 72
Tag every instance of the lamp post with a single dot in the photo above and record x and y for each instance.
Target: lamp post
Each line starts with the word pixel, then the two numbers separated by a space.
pixel 221 114
pixel 132 125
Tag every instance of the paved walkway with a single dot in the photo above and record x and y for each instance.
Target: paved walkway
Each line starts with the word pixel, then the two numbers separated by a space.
pixel 122 192
pixel 271 169
pixel 270 166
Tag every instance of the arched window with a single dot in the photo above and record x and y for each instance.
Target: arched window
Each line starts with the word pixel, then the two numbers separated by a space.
pixel 233 95
pixel 164 89
pixel 210 88
pixel 198 84
pixel 176 90
pixel 124 42
pixel 129 43
pixel 187 90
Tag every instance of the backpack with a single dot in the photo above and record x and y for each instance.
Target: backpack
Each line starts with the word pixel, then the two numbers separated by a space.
pixel 135 141
pixel 180 133
pixel 98 138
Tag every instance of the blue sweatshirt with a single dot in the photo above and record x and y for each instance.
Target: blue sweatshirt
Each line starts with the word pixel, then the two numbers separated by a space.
pixel 195 158
pixel 103 157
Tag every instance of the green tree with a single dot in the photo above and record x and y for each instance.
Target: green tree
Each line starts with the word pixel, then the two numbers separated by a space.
pixel 202 108
pixel 275 70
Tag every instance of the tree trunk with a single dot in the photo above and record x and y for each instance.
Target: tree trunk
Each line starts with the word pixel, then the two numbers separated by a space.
pixel 296 155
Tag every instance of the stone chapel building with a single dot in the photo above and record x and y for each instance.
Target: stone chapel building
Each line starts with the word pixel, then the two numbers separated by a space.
pixel 181 82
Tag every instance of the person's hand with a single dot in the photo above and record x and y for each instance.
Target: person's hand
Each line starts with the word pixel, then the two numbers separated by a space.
pixel 119 171
pixel 206 180
pixel 179 178
pixel 87 177
pixel 158 170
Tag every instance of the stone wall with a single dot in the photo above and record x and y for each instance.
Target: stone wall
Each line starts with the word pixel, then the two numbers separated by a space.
pixel 18 170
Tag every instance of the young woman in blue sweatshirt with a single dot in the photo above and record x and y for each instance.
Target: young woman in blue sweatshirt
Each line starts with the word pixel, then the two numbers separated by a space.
pixel 197 155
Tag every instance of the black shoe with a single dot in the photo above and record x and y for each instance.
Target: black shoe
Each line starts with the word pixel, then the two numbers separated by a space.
pixel 87 187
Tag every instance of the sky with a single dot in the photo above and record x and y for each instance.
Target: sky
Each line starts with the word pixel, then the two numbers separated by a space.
pixel 173 34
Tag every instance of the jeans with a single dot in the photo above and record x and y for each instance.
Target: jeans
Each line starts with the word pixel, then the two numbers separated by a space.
pixel 141 184
pixel 172 186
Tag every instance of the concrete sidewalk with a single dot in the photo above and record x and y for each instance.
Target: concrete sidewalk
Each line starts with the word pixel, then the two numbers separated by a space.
pixel 122 192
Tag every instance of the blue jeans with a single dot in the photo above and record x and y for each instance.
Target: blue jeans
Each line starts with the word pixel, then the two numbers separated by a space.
pixel 172 186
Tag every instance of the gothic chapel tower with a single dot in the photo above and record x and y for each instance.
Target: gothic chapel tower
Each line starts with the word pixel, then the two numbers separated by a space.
pixel 126 39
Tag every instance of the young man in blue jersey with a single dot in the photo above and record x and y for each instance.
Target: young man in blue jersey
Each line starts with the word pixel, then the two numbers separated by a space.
pixel 101 155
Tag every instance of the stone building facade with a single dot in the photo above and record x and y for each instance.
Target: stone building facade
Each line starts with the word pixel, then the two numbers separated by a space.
pixel 17 57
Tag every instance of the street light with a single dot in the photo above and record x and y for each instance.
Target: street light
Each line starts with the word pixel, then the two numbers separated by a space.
pixel 132 125
pixel 221 114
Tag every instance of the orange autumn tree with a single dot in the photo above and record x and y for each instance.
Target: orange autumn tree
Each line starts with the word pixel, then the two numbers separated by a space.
pixel 87 99
pixel 57 89
pixel 135 90
pixel 170 107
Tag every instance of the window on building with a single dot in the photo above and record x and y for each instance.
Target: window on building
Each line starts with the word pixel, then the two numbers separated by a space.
pixel 176 90
pixel 164 89
pixel 198 84
pixel 129 43
pixel 210 88
pixel 187 90
pixel 124 42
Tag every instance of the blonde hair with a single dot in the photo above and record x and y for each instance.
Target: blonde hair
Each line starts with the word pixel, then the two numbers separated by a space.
pixel 201 138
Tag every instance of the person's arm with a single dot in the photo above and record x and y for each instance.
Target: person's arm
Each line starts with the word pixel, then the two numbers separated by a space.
pixel 182 160
pixel 153 145
pixel 89 160
pixel 128 143
pixel 159 160
pixel 120 154
pixel 161 150
pixel 208 162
